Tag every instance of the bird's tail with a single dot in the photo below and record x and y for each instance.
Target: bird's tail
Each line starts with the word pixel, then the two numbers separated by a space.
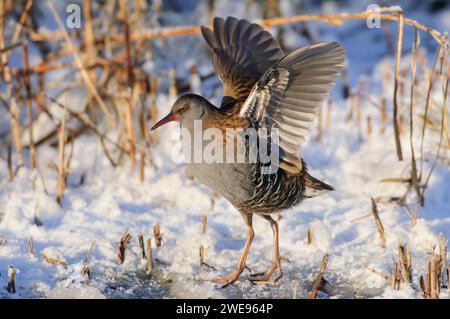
pixel 314 187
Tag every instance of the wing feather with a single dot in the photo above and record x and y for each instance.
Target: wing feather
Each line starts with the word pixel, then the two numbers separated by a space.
pixel 288 95
pixel 241 53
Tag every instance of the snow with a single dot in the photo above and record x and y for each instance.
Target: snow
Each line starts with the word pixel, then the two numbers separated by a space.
pixel 113 200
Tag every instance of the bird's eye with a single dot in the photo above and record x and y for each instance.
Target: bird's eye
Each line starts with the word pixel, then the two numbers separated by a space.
pixel 185 108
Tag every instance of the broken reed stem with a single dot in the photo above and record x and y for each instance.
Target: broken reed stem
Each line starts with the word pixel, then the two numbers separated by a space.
pixel 405 263
pixel 157 235
pixel 11 286
pixel 204 222
pixel 396 277
pixel 380 227
pixel 54 261
pixel 309 238
pixel 141 245
pixel 61 185
pixel 201 254
pixel 398 53
pixel 319 279
pixel 122 246
pixel 431 285
pixel 30 246
pixel 86 271
pixel 26 79
pixel 149 256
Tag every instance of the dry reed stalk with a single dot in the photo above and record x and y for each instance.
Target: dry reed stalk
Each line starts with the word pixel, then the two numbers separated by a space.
pixel 204 222
pixel 380 227
pixel 149 256
pixel 130 132
pixel 11 287
pixel 89 40
pixel 201 254
pixel 318 282
pixel 157 235
pixel 122 246
pixel 396 277
pixel 154 85
pixel 54 261
pixel 61 185
pixel 90 86
pixel 143 125
pixel 442 259
pixel 369 125
pixel 142 166
pixel 15 131
pixel 430 286
pixel 398 53
pixel 9 164
pixel 309 237
pixel 141 245
pixel 405 263
pixel 126 28
pixel 26 79
pixel 383 116
pixel 414 175
pixel 173 91
pixel 30 246
pixel 139 12
pixel 86 271
pixel 89 253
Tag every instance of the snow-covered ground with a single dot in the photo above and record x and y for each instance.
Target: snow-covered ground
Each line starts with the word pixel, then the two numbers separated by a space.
pixel 112 200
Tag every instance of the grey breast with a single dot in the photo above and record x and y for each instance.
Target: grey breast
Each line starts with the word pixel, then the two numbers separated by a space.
pixel 234 181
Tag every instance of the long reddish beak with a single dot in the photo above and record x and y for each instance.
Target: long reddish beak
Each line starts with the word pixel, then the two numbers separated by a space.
pixel 166 119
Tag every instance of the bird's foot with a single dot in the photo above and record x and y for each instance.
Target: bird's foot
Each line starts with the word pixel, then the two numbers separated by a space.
pixel 228 279
pixel 264 277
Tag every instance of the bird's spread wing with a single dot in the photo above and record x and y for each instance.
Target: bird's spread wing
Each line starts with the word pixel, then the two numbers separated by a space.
pixel 288 94
pixel 242 53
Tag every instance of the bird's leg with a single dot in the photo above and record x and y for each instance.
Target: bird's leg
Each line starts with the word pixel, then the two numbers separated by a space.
pixel 264 277
pixel 231 278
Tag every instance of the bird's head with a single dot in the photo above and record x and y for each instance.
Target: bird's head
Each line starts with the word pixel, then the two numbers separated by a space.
pixel 186 109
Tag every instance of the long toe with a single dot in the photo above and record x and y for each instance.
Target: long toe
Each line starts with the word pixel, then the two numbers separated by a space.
pixel 229 279
pixel 264 278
